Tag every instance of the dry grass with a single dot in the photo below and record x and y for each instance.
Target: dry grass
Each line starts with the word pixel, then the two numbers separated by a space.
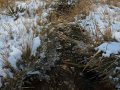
pixel 82 7
pixel 71 66
pixel 114 2
pixel 69 36
pixel 111 2
pixel 6 3
pixel 107 34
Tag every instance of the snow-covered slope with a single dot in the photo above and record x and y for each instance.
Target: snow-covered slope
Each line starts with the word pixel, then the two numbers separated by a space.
pixel 16 34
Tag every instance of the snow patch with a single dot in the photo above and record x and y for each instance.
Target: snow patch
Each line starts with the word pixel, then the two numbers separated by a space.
pixel 102 17
pixel 35 45
pixel 109 48
pixel 14 56
pixel 116 36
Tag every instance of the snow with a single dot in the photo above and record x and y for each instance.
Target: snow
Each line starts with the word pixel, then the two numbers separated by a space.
pixel 14 56
pixel 118 86
pixel 15 35
pixel 116 36
pixel 2 73
pixel 44 15
pixel 1 81
pixel 35 45
pixel 33 72
pixel 109 48
pixel 31 4
pixel 103 16
pixel 117 68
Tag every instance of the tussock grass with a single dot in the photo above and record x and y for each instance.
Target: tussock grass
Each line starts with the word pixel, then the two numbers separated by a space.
pixel 111 2
pixel 81 7
pixel 6 3
pixel 114 2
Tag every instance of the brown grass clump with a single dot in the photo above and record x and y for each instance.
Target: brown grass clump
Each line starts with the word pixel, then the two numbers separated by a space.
pixel 6 3
pixel 107 34
pixel 111 2
pixel 114 2
pixel 68 14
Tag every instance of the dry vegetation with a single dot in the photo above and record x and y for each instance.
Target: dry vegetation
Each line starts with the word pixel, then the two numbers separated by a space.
pixel 111 2
pixel 81 69
pixel 78 66
pixel 6 3
pixel 67 13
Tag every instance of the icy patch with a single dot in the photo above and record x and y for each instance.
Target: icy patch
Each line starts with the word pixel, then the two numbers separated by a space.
pixel 109 48
pixel 36 44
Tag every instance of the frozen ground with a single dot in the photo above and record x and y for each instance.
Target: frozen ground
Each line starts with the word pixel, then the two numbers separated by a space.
pixel 16 34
